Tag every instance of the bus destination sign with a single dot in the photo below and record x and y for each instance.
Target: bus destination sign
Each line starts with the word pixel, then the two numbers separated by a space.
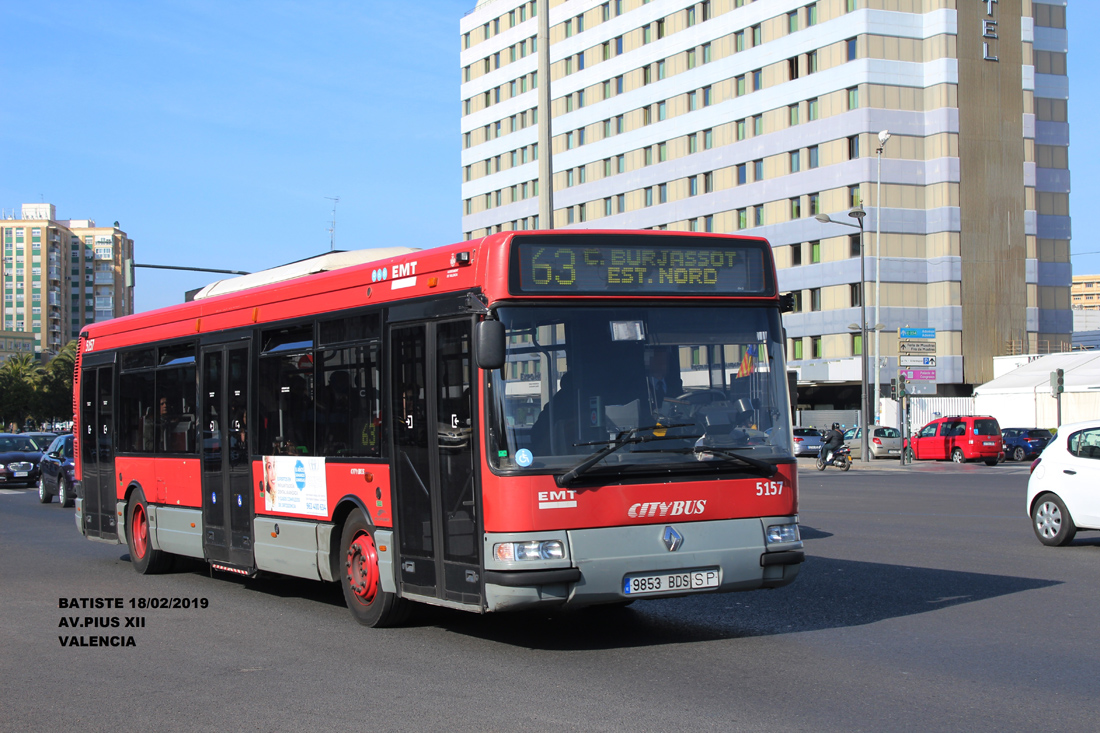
pixel 684 267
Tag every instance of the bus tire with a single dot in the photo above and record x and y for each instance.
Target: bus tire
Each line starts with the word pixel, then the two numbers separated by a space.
pixel 143 557
pixel 360 577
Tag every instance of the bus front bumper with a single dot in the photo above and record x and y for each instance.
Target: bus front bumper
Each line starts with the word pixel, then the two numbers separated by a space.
pixel 619 564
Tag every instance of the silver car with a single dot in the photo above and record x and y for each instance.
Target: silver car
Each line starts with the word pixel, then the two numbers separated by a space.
pixel 884 443
pixel 807 441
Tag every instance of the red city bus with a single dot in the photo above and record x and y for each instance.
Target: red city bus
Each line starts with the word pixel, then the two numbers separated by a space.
pixel 532 419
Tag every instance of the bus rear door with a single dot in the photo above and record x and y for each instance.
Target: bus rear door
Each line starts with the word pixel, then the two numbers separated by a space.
pixel 431 372
pixel 97 459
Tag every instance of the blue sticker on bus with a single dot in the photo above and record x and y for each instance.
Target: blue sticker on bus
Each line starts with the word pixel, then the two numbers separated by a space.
pixel 524 457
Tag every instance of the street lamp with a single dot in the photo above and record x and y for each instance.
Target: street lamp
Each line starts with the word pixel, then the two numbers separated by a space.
pixel 858 213
pixel 882 138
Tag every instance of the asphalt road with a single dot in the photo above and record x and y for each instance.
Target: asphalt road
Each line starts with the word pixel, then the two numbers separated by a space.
pixel 926 604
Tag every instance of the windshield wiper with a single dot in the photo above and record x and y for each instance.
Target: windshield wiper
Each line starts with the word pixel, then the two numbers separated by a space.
pixel 626 437
pixel 767 469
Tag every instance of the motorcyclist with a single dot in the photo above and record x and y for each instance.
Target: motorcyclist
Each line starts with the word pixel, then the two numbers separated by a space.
pixel 833 439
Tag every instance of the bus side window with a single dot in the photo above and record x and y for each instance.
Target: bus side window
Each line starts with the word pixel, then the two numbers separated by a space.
pixel 348 402
pixel 175 409
pixel 286 397
pixel 137 416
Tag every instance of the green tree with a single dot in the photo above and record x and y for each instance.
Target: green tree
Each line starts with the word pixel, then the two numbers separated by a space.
pixel 19 381
pixel 54 397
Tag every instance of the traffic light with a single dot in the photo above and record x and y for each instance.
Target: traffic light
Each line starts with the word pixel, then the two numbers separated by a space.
pixel 1057 382
pixel 893 389
pixel 902 383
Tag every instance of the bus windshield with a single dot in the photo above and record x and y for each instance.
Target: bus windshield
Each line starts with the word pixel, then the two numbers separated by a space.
pixel 577 378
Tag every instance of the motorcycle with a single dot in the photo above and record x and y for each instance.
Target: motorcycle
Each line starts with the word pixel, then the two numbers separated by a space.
pixel 842 459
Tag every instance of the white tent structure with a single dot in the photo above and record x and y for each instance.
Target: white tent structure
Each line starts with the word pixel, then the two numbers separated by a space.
pixel 1021 398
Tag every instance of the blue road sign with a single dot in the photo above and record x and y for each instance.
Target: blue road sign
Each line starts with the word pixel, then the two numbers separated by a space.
pixel 916 333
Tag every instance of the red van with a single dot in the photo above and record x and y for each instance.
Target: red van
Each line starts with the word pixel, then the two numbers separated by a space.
pixel 961 439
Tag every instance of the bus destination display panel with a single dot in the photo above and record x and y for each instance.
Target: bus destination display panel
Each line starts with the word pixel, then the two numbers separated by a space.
pixel 618 265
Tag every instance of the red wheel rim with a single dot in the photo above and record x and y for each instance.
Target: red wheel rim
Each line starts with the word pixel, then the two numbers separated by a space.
pixel 139 531
pixel 362 568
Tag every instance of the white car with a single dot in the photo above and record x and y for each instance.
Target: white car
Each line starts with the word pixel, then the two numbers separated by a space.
pixel 1063 493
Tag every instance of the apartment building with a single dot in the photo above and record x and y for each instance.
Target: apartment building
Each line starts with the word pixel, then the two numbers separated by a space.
pixel 15 343
pixel 1085 293
pixel 60 275
pixel 754 117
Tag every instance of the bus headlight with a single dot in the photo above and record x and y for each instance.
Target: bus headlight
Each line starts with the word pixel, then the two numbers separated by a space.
pixel 782 533
pixel 532 550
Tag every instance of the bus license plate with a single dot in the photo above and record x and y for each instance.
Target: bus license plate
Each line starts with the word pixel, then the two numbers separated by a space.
pixel 636 585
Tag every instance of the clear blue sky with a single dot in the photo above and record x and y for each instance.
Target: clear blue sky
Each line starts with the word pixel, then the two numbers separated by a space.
pixel 214 131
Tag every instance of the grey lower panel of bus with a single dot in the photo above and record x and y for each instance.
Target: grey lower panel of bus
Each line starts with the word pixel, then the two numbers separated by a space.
pixel 173 531
pixel 293 548
pixel 120 507
pixel 605 556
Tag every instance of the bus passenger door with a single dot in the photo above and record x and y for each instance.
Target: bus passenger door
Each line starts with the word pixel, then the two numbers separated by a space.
pixel 431 409
pixel 226 477
pixel 455 452
pixel 97 452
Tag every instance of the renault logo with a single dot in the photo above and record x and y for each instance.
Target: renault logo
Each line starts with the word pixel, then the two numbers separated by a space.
pixel 672 539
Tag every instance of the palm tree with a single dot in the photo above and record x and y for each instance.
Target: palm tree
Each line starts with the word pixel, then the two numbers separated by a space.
pixel 19 380
pixel 55 396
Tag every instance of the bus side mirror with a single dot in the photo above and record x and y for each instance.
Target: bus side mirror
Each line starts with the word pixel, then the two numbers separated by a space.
pixel 490 344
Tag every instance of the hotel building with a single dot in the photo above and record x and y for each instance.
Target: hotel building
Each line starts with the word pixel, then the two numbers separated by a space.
pixel 753 117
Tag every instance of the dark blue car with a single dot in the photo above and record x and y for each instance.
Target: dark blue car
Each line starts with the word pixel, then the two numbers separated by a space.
pixel 1023 444
pixel 56 475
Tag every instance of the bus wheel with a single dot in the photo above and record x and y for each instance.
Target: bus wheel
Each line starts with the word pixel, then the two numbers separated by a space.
pixel 361 578
pixel 143 557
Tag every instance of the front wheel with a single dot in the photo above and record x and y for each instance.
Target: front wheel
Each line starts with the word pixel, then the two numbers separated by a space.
pixel 1051 521
pixel 845 463
pixel 957 456
pixel 44 497
pixel 143 557
pixel 361 578
pixel 1019 454
pixel 821 463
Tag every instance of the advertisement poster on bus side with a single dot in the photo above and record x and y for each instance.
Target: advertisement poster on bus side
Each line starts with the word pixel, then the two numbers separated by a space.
pixel 295 485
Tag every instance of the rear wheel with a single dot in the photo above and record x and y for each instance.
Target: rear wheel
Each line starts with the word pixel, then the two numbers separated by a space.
pixel 1051 521
pixel 845 463
pixel 957 456
pixel 361 579
pixel 992 461
pixel 143 557
pixel 1019 454
pixel 44 497
pixel 64 493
